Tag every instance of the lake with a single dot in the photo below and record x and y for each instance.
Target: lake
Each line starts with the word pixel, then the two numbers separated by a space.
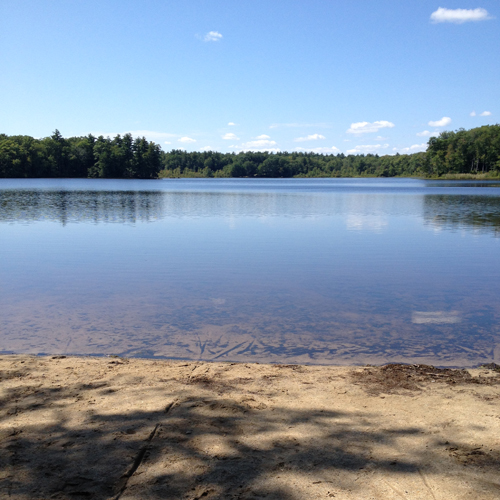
pixel 325 271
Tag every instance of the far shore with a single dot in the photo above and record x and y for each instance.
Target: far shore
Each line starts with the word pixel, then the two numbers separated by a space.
pixel 103 428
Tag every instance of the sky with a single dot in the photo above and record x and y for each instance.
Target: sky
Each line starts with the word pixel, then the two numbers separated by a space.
pixel 329 76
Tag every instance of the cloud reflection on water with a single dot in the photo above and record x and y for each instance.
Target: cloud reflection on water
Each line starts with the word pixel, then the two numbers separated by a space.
pixel 435 317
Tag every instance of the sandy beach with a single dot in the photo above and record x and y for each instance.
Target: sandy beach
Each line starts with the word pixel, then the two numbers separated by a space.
pixel 103 428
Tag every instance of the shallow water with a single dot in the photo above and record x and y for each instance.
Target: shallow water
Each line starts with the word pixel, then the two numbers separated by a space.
pixel 333 271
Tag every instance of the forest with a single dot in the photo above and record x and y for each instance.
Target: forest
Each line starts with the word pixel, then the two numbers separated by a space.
pixel 459 154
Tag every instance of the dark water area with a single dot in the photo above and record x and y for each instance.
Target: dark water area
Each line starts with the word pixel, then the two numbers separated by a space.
pixel 330 271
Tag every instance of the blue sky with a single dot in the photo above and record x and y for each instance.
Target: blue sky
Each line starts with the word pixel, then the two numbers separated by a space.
pixel 326 76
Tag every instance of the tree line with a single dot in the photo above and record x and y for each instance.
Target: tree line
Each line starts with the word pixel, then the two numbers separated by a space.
pixel 465 151
pixel 475 151
pixel 55 156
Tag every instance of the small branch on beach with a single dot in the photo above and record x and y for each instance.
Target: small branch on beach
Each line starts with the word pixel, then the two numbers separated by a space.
pixel 140 455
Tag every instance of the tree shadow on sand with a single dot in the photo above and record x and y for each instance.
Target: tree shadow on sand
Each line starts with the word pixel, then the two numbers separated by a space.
pixel 194 447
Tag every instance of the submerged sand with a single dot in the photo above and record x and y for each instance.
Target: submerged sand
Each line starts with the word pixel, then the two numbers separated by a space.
pixel 78 427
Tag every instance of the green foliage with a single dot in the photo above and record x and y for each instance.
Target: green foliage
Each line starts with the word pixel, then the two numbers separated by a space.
pixel 54 156
pixel 472 152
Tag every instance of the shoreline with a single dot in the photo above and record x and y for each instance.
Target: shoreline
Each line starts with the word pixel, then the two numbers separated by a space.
pixel 110 427
pixel 360 362
pixel 484 176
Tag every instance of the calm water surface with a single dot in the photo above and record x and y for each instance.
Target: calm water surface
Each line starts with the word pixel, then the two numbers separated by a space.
pixel 331 271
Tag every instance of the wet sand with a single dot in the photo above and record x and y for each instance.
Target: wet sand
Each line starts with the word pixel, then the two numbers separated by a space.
pixel 102 428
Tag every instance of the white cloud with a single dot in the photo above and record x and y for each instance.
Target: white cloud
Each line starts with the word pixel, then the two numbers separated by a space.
pixel 260 143
pixel 380 138
pixel 186 140
pixel 367 148
pixel 484 113
pixel 322 150
pixel 207 148
pixel 230 137
pixel 167 142
pixel 212 36
pixel 416 148
pixel 446 120
pixel 426 133
pixel 459 16
pixel 312 137
pixel 231 124
pixel 366 127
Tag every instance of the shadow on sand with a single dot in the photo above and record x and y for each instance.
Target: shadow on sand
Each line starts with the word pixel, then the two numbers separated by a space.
pixel 194 447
